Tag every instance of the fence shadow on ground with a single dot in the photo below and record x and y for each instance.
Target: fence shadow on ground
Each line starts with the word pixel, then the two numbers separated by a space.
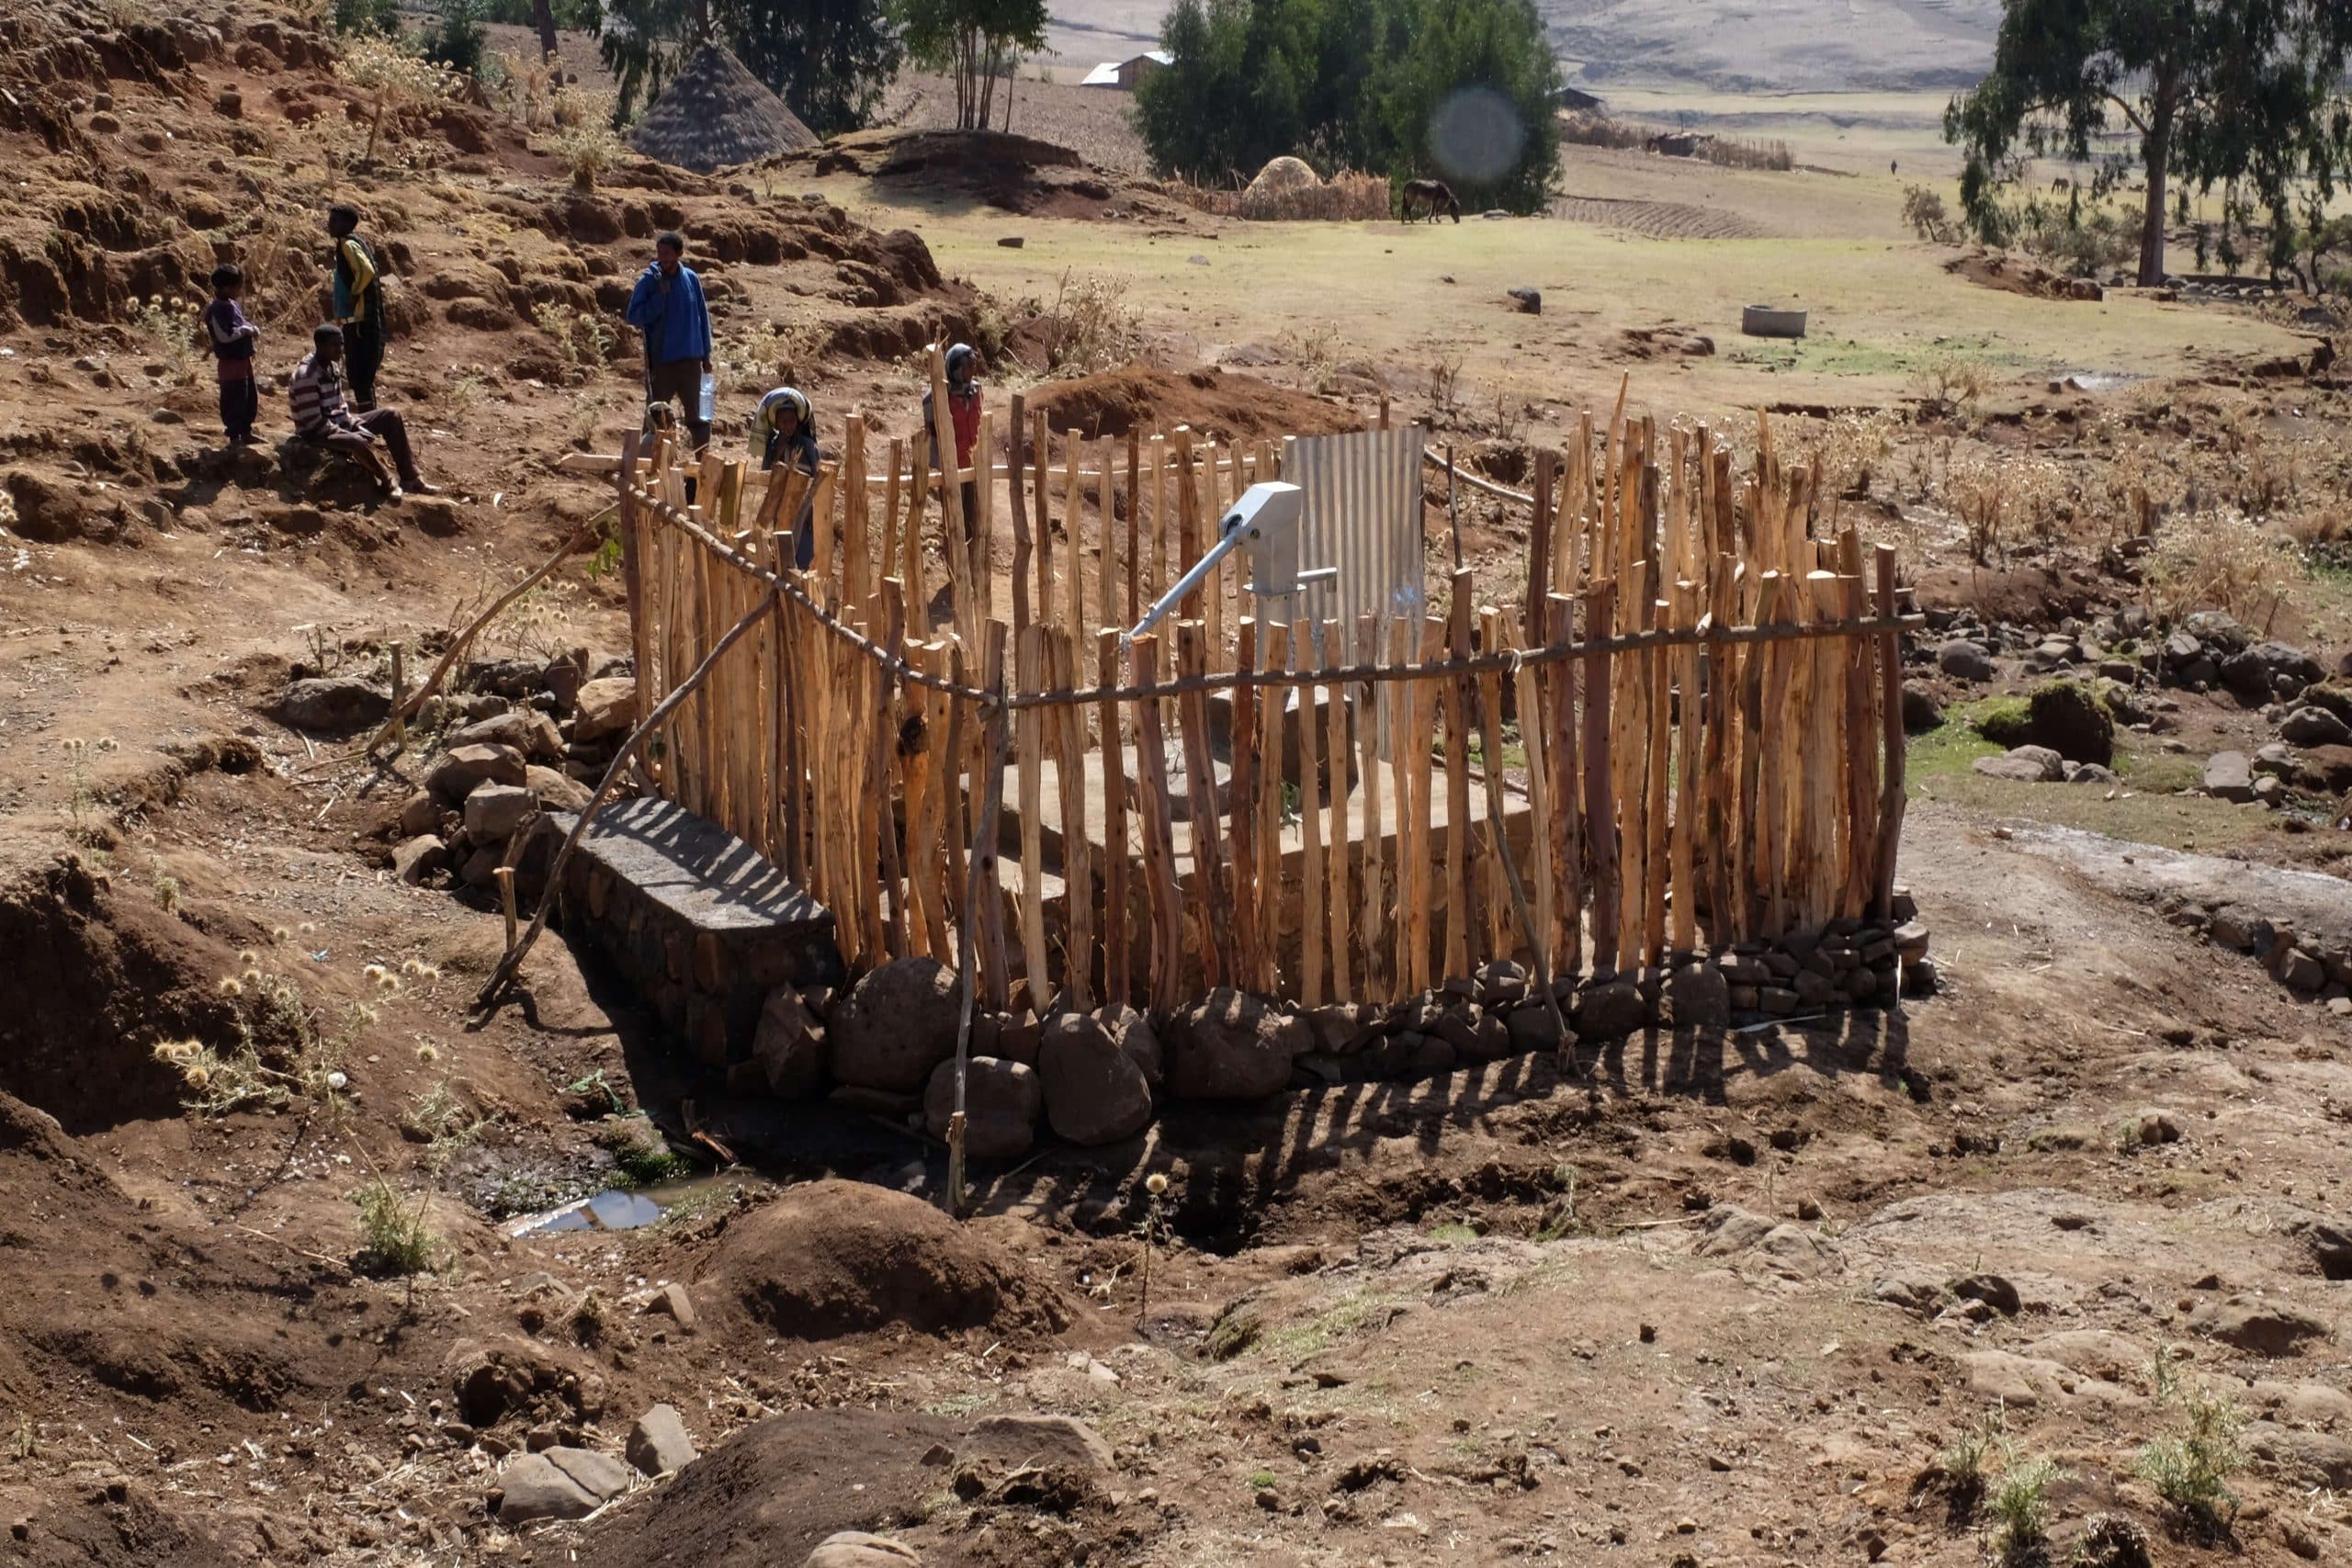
pixel 1242 1163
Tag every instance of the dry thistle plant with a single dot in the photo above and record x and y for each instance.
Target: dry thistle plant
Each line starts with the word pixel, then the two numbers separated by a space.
pixel 395 78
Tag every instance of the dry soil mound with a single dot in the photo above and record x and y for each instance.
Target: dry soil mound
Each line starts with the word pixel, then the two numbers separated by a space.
pixel 1016 174
pixel 1216 404
pixel 836 1257
pixel 92 984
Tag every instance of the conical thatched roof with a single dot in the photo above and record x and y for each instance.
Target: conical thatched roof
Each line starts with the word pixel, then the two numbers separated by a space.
pixel 715 113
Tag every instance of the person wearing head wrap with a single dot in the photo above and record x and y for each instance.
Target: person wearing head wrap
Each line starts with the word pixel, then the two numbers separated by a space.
pixel 964 414
pixel 786 431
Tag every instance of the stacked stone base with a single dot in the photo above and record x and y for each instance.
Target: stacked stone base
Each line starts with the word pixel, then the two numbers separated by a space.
pixel 694 919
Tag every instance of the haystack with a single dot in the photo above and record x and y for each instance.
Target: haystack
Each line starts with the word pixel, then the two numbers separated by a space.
pixel 715 113
pixel 1282 176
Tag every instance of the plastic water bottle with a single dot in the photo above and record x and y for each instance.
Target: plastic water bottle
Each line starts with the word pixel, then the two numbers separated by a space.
pixel 709 397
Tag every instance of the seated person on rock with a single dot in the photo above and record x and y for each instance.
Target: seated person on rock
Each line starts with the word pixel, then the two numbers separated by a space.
pixel 322 418
pixel 786 431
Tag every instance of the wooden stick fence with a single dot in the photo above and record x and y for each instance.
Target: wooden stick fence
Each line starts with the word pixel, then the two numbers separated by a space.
pixel 1686 725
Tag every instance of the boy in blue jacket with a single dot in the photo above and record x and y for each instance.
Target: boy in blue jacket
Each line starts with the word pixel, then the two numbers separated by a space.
pixel 231 337
pixel 667 308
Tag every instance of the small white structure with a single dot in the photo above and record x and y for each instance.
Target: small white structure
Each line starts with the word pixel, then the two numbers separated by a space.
pixel 1125 74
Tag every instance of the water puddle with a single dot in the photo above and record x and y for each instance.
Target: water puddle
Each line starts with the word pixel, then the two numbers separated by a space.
pixel 2101 380
pixel 620 1209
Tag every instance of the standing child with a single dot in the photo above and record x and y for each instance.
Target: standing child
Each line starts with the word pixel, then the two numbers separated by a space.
pixel 964 414
pixel 232 340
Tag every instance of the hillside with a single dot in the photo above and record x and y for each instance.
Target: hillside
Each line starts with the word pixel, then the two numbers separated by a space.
pixel 1744 46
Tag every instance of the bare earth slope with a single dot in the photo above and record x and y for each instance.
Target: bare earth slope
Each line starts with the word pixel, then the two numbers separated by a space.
pixel 1748 45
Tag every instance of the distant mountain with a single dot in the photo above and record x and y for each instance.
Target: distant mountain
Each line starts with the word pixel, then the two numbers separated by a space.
pixel 1734 45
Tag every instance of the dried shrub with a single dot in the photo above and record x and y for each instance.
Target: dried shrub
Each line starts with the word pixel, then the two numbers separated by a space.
pixel 1090 326
pixel 395 78
pixel 1346 197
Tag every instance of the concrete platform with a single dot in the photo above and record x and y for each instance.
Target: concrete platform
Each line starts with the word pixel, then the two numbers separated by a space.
pixel 699 922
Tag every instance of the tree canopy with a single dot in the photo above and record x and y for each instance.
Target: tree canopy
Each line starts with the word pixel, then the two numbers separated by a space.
pixel 974 42
pixel 1460 89
pixel 2246 92
pixel 829 59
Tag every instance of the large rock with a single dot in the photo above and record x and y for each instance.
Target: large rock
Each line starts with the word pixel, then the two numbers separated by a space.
pixel 1966 659
pixel 2026 765
pixel 493 811
pixel 1698 996
pixel 1095 1093
pixel 658 1444
pixel 2229 776
pixel 1921 711
pixel 2068 718
pixel 2269 669
pixel 1232 1046
pixel 559 1484
pixel 1133 1034
pixel 605 707
pixel 556 792
pixel 2262 1327
pixel 895 1026
pixel 1002 1100
pixel 1608 1010
pixel 331 704
pixel 528 731
pixel 2312 725
pixel 463 769
pixel 855 1549
pixel 419 858
pixel 790 1045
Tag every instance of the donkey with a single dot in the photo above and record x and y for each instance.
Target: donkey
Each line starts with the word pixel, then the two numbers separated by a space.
pixel 1431 197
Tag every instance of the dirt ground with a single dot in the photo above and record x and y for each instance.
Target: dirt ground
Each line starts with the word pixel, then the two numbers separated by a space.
pixel 1705 1298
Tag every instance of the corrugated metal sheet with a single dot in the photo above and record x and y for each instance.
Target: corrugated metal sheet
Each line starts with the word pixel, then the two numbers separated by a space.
pixel 1362 513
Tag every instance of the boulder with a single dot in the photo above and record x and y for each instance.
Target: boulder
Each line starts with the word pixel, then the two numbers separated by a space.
pixel 895 1026
pixel 2068 718
pixel 331 704
pixel 2326 1456
pixel 1002 1100
pixel 418 858
pixel 2312 725
pixel 2229 776
pixel 1095 1093
pixel 658 1444
pixel 2326 769
pixel 559 1484
pixel 1966 659
pixel 464 768
pixel 1232 1046
pixel 420 813
pixel 1134 1035
pixel 557 791
pixel 855 1549
pixel 1608 1009
pixel 1697 996
pixel 2262 1327
pixel 605 707
pixel 790 1045
pixel 528 731
pixel 2026 765
pixel 2336 699
pixel 1991 1290
pixel 493 811
pixel 2263 670
pixel 1921 711
pixel 1059 1442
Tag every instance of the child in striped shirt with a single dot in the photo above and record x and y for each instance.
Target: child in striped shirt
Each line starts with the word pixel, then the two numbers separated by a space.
pixel 232 340
pixel 321 417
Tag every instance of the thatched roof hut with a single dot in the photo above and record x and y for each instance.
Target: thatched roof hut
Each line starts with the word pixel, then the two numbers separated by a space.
pixel 716 113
